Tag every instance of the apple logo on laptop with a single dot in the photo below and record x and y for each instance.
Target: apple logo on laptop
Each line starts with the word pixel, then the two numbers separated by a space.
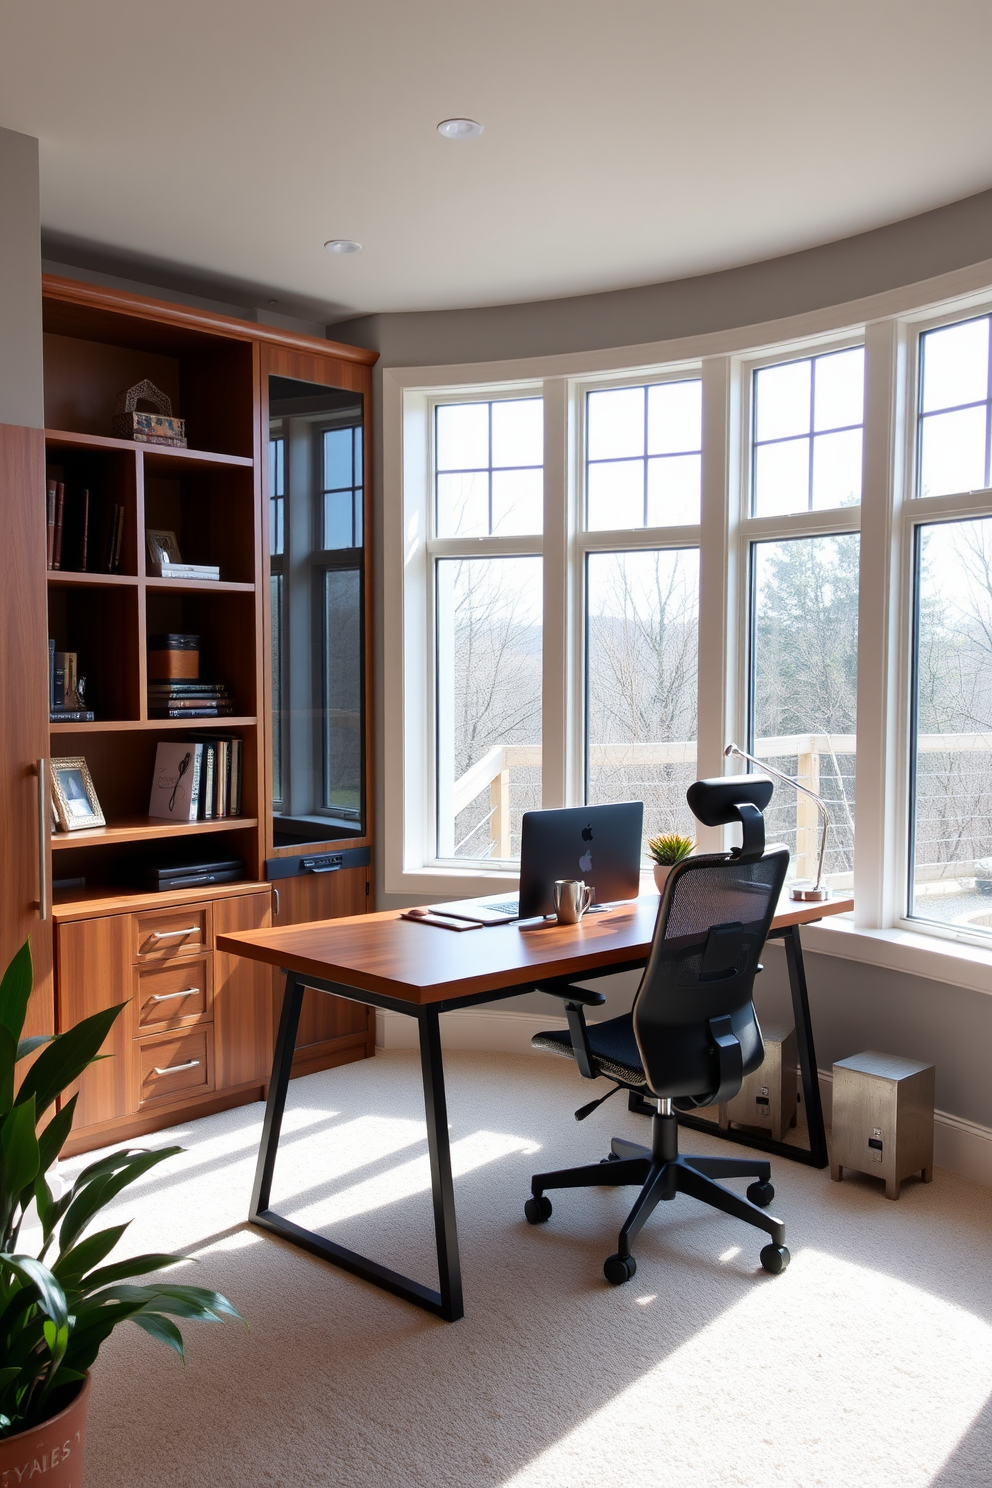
pixel 587 833
pixel 585 862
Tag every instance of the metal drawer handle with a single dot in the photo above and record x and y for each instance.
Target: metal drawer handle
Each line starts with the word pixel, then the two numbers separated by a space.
pixel 173 1069
pixel 168 996
pixel 172 934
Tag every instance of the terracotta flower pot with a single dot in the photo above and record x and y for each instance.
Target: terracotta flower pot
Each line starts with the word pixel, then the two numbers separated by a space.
pixel 52 1451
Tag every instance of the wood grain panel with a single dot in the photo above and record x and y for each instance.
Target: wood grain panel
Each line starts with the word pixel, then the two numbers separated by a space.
pixel 94 973
pixel 243 1012
pixel 324 896
pixel 24 718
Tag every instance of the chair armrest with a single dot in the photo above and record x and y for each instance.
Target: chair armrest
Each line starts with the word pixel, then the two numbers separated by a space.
pixel 580 1040
pixel 578 995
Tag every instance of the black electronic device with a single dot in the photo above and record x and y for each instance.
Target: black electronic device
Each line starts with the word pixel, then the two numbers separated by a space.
pixel 161 877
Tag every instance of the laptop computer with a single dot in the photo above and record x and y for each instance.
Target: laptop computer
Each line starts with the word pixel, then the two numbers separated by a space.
pixel 600 844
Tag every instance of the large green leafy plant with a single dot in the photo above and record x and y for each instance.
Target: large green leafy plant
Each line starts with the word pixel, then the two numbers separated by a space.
pixel 58 1307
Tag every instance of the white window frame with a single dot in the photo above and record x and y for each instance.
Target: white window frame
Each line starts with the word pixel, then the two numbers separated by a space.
pixel 889 325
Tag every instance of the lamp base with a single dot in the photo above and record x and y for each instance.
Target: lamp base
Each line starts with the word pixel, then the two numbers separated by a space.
pixel 809 894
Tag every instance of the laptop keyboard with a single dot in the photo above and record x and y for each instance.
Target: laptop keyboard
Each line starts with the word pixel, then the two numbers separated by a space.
pixel 509 906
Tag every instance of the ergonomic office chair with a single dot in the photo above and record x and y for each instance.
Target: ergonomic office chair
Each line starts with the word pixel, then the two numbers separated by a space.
pixel 692 1034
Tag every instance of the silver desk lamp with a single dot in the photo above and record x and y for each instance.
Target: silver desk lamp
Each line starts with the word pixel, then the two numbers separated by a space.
pixel 805 893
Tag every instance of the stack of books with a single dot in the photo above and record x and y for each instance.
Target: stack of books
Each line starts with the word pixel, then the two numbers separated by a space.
pixel 178 699
pixel 166 570
pixel 197 779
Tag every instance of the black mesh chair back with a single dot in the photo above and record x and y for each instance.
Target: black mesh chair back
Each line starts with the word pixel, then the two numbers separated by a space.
pixel 693 1017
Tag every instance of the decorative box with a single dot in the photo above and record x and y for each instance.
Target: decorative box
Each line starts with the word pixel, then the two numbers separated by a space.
pixel 157 427
pixel 173 658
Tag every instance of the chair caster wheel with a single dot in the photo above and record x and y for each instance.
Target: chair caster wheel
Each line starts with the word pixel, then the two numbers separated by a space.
pixel 536 1211
pixel 775 1258
pixel 617 1269
pixel 761 1194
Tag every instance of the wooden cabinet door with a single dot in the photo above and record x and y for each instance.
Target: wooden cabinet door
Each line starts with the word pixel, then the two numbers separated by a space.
pixel 328 1025
pixel 243 1009
pixel 94 964
pixel 24 716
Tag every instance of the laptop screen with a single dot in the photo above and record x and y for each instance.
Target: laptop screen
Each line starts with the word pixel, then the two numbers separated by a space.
pixel 600 844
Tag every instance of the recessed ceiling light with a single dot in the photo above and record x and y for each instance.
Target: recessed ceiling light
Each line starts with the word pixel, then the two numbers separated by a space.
pixel 459 128
pixel 343 245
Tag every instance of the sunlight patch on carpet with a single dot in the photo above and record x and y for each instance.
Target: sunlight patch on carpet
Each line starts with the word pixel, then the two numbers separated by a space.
pixel 831 1374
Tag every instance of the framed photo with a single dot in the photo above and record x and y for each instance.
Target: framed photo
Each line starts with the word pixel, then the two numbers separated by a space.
pixel 74 797
pixel 163 547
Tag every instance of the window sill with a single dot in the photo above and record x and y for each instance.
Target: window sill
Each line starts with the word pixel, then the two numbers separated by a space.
pixel 904 950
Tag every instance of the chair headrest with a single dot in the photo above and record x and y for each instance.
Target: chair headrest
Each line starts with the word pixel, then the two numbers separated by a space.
pixel 715 802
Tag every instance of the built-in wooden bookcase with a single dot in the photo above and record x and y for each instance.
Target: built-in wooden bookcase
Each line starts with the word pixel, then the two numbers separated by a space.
pixel 213 495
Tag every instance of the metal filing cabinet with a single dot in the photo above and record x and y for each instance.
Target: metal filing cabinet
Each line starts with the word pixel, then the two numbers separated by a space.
pixel 882 1118
pixel 768 1098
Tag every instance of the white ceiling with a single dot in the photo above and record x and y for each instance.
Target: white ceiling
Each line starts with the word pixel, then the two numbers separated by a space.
pixel 625 142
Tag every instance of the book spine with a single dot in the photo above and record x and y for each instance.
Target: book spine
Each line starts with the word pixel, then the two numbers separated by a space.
pixel 50 516
pixel 210 750
pixel 86 531
pixel 59 514
pixel 118 540
pixel 71 715
pixel 70 697
pixel 197 776
pixel 220 797
pixel 51 673
pixel 188 712
pixel 58 681
pixel 236 777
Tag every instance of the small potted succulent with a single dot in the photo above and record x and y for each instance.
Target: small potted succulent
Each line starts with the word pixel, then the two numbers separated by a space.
pixel 57 1307
pixel 667 850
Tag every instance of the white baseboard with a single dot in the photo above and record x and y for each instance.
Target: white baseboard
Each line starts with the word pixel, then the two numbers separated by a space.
pixel 962 1147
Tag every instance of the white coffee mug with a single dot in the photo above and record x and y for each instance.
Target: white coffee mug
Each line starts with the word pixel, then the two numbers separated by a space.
pixel 572 898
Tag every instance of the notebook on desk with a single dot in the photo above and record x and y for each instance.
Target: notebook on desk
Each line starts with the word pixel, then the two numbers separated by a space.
pixel 599 844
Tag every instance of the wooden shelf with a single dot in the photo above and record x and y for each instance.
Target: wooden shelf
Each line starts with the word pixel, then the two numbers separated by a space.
pixel 199 586
pixel 162 455
pixel 68 578
pixel 132 725
pixel 146 829
pixel 85 904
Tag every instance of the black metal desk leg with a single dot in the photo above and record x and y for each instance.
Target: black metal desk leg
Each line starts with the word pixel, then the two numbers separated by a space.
pixel 282 1067
pixel 807 1053
pixel 445 1232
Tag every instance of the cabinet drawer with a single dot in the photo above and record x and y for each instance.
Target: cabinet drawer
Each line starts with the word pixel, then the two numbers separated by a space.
pixel 172 1064
pixel 162 934
pixel 172 996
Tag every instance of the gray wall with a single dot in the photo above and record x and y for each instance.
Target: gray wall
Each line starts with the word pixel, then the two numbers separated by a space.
pixel 22 392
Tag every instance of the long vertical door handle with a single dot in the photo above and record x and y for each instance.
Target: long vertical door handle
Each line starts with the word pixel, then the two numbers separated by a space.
pixel 44 832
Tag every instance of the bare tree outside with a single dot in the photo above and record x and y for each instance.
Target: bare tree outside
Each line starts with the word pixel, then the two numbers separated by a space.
pixel 642 628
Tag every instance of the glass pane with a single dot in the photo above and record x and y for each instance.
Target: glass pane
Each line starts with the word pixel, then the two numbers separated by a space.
pixel 781 400
pixel 642 617
pixel 952 452
pixel 837 469
pixel 675 417
pixel 955 365
pixel 518 502
pixel 839 389
pixel 462 436
pixel 317 614
pixel 518 432
pixel 489 632
pixel 463 505
pixel 615 493
pixel 805 660
pixel 673 490
pixel 615 423
pixel 781 478
pixel 343 692
pixel 338 467
pixel 951 874
pixel 338 519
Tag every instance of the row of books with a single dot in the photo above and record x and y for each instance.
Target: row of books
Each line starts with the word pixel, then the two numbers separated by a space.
pixel 197 779
pixel 66 689
pixel 175 699
pixel 79 539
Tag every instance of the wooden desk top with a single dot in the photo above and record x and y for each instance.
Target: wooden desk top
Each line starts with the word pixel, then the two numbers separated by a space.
pixel 422 964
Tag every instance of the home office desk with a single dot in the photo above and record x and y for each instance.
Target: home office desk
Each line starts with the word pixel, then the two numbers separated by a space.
pixel 423 971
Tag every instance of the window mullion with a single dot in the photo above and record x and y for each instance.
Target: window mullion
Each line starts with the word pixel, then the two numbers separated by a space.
pixel 558 725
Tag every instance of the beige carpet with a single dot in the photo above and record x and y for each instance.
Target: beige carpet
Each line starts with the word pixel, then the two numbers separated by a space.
pixel 868 1362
